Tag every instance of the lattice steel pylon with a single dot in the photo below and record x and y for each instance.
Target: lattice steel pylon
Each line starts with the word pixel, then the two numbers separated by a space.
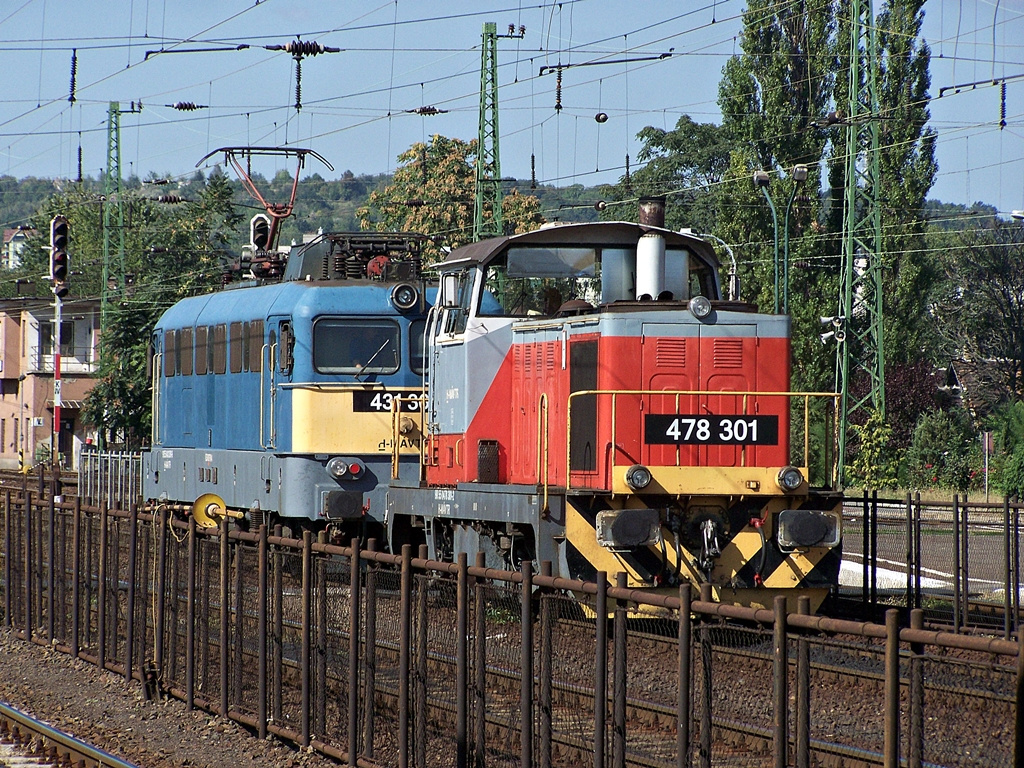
pixel 113 217
pixel 488 155
pixel 860 284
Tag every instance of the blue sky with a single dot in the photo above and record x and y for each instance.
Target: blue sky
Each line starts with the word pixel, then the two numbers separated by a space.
pixel 354 103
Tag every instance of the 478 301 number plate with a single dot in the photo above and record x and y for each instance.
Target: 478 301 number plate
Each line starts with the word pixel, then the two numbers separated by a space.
pixel 707 429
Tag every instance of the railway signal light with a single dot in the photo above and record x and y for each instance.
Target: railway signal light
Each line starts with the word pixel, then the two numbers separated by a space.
pixel 59 260
pixel 259 232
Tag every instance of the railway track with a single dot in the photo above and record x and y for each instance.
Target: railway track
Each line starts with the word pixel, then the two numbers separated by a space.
pixel 26 741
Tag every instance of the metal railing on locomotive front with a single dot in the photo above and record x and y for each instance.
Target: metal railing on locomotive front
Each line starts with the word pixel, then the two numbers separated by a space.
pixel 748 398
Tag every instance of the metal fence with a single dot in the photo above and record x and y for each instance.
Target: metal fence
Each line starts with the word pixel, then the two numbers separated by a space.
pixel 959 560
pixel 378 659
pixel 113 478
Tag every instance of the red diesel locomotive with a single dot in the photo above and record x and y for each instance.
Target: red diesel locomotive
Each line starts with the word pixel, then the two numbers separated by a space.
pixel 591 400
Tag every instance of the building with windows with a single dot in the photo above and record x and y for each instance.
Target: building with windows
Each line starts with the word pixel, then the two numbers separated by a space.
pixel 27 363
pixel 13 245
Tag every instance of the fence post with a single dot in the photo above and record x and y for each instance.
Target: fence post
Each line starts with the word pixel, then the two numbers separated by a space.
pixel 51 564
pixel 307 604
pixel 277 661
pixel 190 617
pixel 619 676
pixel 320 665
pixel 600 668
pixel 526 668
pixel 1016 563
pixel 101 598
pixel 706 670
pixel 238 625
pixel 76 575
pixel 874 546
pixel 1007 569
pixel 865 547
pixel 917 550
pixel 956 562
pixel 965 563
pixel 1018 737
pixel 916 745
pixel 480 670
pixel 29 567
pixel 8 552
pixel 420 698
pixel 261 695
pixel 683 705
pixel 545 670
pixel 891 757
pixel 133 545
pixel 161 587
pixel 225 614
pixel 780 742
pixel 803 690
pixel 404 655
pixel 353 655
pixel 370 653
pixel 461 662
pixel 909 599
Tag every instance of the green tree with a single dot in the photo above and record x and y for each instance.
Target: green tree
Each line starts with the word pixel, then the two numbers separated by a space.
pixel 942 452
pixel 873 464
pixel 979 307
pixel 432 193
pixel 174 253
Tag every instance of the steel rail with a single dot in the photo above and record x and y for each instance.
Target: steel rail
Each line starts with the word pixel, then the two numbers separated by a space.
pixel 60 745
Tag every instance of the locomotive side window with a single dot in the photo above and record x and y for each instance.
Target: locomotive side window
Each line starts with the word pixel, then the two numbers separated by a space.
pixel 219 349
pixel 284 357
pixel 355 346
pixel 255 346
pixel 201 351
pixel 457 312
pixel 185 350
pixel 235 347
pixel 170 353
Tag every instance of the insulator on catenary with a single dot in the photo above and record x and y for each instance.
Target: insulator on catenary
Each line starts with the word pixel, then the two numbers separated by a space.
pixel 171 199
pixel 299 48
pixel 558 92
pixel 1002 106
pixel 186 106
pixel 533 171
pixel 427 110
pixel 626 181
pixel 74 74
pixel 298 84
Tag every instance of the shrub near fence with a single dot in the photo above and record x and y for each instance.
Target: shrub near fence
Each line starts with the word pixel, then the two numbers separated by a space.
pixel 379 659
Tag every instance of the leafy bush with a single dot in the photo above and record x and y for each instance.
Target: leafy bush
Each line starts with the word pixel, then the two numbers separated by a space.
pixel 943 452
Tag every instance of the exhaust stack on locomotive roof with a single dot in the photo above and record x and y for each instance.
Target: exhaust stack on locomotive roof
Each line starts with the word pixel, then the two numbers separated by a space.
pixel 650 251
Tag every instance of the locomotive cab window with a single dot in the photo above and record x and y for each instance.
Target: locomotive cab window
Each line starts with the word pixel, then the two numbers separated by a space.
pixel 356 346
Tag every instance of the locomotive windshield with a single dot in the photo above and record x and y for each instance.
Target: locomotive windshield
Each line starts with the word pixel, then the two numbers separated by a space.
pixel 532 280
pixel 355 346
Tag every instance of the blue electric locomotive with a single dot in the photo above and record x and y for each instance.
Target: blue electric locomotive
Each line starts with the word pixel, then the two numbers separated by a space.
pixel 274 402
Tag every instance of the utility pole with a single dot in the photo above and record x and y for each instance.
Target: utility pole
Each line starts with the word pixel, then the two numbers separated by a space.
pixel 860 281
pixel 488 155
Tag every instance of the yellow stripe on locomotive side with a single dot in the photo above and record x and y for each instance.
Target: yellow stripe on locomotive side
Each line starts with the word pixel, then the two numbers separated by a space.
pixel 325 421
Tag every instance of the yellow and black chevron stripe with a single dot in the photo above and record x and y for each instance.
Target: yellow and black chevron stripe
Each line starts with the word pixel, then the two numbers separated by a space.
pixel 751 569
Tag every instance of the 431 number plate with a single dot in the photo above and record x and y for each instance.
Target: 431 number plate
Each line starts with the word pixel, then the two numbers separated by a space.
pixel 379 401
pixel 711 430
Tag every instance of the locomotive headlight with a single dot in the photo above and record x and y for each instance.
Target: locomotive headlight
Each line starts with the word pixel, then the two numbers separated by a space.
pixel 638 477
pixel 337 468
pixel 700 306
pixel 404 296
pixel 789 479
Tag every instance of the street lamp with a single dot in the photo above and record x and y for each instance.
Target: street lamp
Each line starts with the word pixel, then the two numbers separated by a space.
pixel 799 175
pixel 761 181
